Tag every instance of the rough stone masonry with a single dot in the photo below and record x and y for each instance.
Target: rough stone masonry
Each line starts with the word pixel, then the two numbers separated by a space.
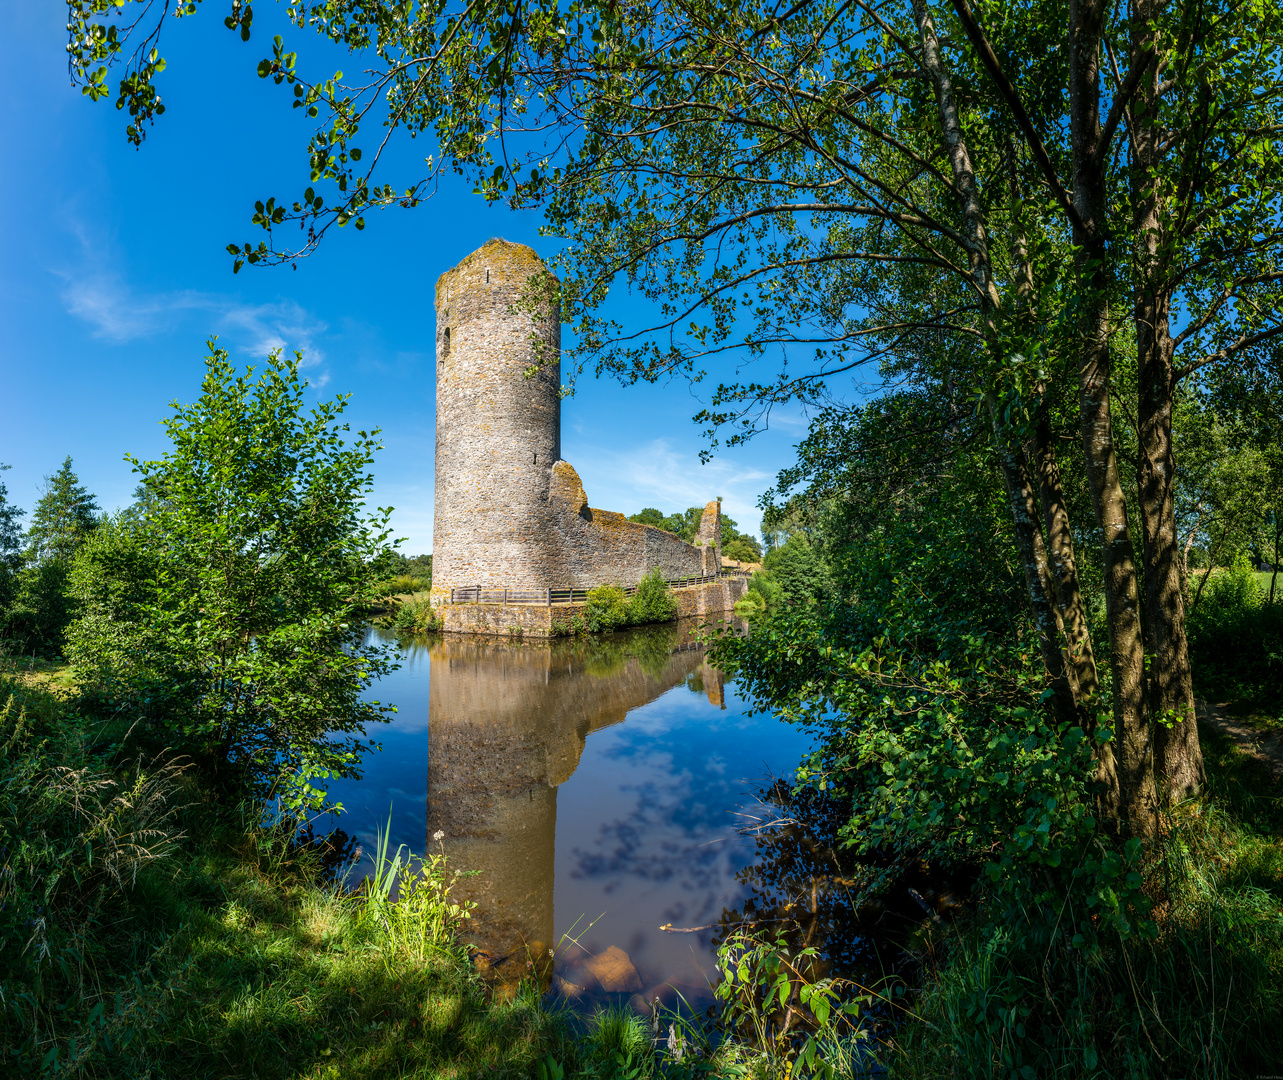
pixel 510 513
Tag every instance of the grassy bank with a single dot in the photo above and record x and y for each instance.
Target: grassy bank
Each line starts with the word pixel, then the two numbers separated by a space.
pixel 1200 998
pixel 151 932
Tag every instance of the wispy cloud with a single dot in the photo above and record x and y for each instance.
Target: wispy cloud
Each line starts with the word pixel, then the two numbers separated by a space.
pixel 120 314
pixel 656 474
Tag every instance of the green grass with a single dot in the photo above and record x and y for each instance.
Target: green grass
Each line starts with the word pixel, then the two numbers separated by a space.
pixel 148 931
pixel 1201 1000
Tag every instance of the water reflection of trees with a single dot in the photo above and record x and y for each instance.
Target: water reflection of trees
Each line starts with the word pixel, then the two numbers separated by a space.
pixel 808 888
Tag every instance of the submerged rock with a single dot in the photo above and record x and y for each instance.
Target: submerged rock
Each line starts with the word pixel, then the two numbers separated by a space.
pixel 615 971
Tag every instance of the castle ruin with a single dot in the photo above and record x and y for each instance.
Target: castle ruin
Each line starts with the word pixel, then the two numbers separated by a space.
pixel 512 524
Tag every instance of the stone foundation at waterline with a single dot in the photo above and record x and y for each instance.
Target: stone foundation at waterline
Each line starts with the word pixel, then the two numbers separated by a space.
pixel 542 621
pixel 510 513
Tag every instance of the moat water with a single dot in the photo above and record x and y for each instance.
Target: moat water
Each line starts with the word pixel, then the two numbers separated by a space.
pixel 593 790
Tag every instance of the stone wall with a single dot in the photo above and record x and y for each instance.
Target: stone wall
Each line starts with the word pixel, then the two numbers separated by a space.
pixel 510 514
pixel 601 547
pixel 540 621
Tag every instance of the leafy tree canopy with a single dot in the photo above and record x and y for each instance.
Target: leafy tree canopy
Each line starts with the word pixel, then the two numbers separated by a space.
pixel 64 515
pixel 229 610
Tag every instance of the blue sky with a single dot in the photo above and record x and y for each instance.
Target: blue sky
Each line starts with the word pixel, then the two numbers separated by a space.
pixel 115 274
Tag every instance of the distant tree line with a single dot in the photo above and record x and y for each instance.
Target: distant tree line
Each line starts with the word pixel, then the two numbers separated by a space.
pixel 735 545
pixel 35 565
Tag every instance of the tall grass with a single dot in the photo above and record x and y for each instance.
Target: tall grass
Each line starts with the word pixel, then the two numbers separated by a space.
pixel 1200 998
pixel 149 931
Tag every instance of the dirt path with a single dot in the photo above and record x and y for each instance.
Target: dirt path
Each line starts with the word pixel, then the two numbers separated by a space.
pixel 1265 746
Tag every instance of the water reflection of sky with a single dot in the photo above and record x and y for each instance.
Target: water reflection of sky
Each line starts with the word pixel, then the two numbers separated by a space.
pixel 395 779
pixel 645 825
pixel 646 828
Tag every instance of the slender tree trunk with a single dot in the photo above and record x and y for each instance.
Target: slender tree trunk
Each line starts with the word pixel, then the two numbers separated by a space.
pixel 1278 541
pixel 1020 493
pixel 1131 742
pixel 1079 656
pixel 1178 758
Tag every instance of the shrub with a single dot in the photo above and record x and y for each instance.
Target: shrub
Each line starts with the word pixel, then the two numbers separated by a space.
pixel 766 586
pixel 801 572
pixel 1235 635
pixel 39 611
pixel 401 585
pixel 607 608
pixel 653 601
pixel 416 615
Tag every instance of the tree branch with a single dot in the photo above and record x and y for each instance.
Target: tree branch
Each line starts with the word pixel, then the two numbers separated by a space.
pixel 1122 98
pixel 1009 95
pixel 1246 341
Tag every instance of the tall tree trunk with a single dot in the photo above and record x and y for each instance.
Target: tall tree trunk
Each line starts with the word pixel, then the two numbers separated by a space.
pixel 1080 659
pixel 1131 742
pixel 1178 758
pixel 1020 492
pixel 1080 656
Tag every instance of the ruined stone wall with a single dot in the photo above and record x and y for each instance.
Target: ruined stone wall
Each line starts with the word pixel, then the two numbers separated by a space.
pixel 601 547
pixel 510 514
pixel 498 432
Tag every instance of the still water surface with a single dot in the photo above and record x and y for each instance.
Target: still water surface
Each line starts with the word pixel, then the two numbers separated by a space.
pixel 596 787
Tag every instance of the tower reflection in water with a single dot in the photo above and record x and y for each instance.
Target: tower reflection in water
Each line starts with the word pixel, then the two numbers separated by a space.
pixel 506 727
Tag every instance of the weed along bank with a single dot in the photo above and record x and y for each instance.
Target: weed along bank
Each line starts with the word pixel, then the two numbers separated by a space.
pixel 516 547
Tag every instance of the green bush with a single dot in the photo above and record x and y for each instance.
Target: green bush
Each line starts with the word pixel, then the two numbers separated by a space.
pixel 416 615
pixel 801 572
pixel 607 608
pixel 764 584
pixel 652 602
pixel 1236 636
pixel 403 584
pixel 36 619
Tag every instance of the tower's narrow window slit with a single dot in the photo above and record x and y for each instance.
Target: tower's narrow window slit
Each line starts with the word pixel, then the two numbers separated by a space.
pixel 445 343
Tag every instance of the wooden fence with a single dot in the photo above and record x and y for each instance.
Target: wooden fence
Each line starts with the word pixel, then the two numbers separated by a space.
pixel 475 594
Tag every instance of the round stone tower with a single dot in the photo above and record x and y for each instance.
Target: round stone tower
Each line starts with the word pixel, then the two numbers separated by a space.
pixel 498 421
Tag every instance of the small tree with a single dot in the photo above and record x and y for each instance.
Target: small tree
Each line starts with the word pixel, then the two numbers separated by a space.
pixel 229 608
pixel 10 541
pixel 65 514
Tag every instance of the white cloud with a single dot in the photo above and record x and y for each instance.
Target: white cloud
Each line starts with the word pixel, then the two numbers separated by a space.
pixel 120 314
pixel 654 474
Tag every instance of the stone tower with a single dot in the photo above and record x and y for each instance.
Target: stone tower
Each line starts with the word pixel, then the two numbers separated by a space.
pixel 498 432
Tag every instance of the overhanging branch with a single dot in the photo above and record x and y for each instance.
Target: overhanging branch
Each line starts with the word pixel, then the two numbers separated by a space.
pixel 1009 95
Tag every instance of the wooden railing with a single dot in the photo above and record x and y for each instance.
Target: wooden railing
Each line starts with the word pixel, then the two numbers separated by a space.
pixel 475 594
